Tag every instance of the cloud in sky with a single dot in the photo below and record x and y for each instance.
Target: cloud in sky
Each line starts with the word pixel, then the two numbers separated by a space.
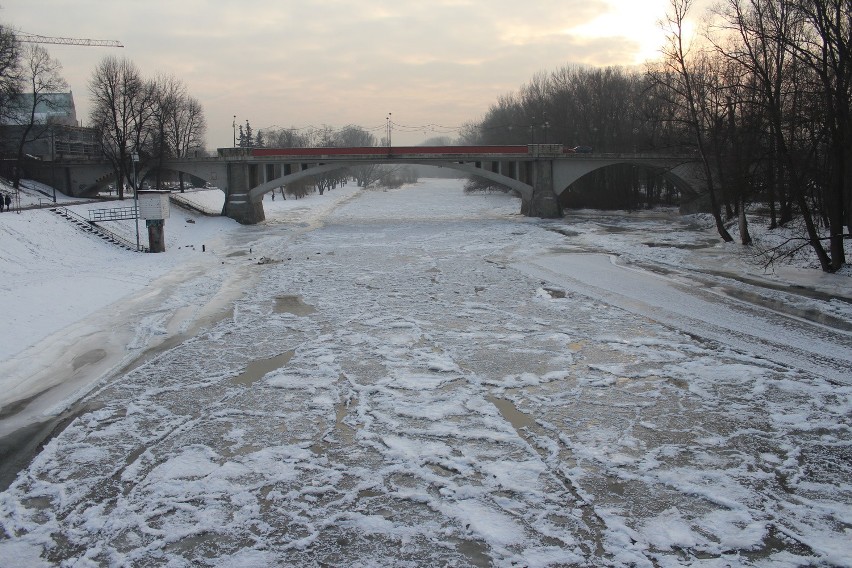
pixel 338 62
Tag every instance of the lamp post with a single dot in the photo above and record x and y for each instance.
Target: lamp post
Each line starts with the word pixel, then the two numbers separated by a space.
pixel 53 157
pixel 390 129
pixel 134 157
pixel 235 130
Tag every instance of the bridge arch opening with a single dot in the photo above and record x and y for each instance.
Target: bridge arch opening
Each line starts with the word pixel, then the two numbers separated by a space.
pixel 169 173
pixel 621 186
pixel 296 172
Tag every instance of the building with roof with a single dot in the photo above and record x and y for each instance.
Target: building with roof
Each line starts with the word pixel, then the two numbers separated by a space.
pixel 56 134
pixel 52 108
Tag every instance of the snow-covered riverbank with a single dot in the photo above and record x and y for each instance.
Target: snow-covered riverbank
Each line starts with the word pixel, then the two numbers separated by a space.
pixel 421 377
pixel 76 308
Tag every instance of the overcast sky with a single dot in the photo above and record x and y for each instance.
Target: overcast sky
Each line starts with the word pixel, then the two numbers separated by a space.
pixel 338 62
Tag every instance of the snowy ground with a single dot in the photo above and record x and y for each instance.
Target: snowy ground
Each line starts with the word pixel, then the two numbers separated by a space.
pixel 419 377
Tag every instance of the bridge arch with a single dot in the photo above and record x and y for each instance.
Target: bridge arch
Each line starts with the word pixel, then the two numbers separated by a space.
pixel 257 193
pixel 684 174
pixel 102 181
pixel 210 170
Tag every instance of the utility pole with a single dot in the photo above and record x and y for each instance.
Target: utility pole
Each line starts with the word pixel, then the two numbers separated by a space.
pixel 390 129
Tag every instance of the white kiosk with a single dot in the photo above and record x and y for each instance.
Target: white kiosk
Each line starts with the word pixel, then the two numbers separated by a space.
pixel 154 208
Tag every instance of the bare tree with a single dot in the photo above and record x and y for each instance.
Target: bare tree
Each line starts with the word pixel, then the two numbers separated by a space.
pixel 286 138
pixel 689 81
pixel 10 71
pixel 41 75
pixel 441 140
pixel 354 137
pixel 143 130
pixel 827 51
pixel 326 137
pixel 168 92
pixel 188 128
pixel 118 97
pixel 765 31
pixel 367 175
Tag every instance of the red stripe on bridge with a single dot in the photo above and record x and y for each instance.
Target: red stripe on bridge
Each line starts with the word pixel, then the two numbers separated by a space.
pixel 394 150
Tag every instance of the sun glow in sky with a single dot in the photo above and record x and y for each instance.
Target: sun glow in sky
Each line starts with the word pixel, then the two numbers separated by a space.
pixel 635 20
pixel 339 62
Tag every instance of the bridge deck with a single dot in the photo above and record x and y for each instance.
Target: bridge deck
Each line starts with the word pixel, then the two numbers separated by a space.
pixel 412 152
pixel 448 153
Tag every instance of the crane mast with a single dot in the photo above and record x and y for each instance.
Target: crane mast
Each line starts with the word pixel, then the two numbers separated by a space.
pixel 35 38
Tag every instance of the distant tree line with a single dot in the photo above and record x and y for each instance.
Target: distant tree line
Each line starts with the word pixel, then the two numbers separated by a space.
pixel 325 136
pixel 761 97
pixel 610 109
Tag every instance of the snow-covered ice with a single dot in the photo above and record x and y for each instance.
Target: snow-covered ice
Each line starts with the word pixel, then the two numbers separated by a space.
pixel 419 377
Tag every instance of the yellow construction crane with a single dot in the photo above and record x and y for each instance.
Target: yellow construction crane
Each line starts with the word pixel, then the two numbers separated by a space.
pixel 35 38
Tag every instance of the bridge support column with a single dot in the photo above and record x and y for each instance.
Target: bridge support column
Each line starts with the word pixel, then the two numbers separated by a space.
pixel 544 201
pixel 508 169
pixel 238 205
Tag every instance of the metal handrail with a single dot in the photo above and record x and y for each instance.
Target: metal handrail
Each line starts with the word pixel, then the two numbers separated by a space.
pixel 126 242
pixel 114 214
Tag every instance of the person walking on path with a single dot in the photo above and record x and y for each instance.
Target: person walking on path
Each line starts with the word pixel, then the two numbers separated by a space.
pixel 8 200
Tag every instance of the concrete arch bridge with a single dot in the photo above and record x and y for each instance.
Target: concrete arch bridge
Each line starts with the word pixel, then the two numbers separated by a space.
pixel 539 173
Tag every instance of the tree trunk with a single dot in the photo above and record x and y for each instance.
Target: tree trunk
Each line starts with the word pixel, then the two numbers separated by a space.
pixel 119 184
pixel 745 237
pixel 19 163
pixel 813 235
pixel 711 191
pixel 835 208
pixel 771 181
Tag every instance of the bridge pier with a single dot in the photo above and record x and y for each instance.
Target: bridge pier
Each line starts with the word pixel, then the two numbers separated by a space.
pixel 543 202
pixel 239 205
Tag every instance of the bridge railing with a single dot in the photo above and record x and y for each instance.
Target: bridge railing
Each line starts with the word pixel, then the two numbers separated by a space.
pixel 549 150
pixel 126 242
pixel 114 214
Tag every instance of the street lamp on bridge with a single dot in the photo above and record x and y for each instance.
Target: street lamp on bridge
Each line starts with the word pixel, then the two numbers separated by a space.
pixel 389 130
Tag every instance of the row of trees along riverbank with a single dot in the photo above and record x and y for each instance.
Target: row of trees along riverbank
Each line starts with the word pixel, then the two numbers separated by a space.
pixel 761 95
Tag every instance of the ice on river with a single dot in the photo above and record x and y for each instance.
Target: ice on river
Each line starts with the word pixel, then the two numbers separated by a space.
pixel 424 379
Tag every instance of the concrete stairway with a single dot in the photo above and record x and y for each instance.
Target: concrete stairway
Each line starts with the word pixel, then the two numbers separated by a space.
pixel 90 227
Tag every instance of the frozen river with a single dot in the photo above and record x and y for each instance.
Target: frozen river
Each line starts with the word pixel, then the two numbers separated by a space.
pixel 423 378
